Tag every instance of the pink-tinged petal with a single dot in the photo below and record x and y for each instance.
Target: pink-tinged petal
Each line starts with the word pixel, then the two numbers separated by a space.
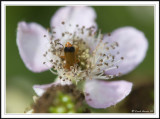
pixel 32 45
pixel 103 94
pixel 81 15
pixel 133 46
pixel 40 89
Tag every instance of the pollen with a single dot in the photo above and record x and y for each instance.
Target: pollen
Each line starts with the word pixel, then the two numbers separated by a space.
pixel 82 54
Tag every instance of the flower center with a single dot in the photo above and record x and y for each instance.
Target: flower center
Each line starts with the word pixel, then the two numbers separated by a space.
pixel 81 53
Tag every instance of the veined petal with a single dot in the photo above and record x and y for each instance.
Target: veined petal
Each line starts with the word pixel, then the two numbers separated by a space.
pixel 81 15
pixel 32 45
pixel 133 46
pixel 103 94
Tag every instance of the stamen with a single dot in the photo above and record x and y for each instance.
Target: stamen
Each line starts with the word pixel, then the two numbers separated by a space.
pixel 90 62
pixel 63 22
pixel 55 73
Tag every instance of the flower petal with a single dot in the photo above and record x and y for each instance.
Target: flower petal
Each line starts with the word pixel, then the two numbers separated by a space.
pixel 32 45
pixel 132 46
pixel 103 94
pixel 40 89
pixel 83 16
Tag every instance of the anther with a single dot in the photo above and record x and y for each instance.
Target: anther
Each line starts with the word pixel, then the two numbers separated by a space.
pixel 99 64
pixel 107 48
pixel 63 34
pixel 104 55
pixel 63 22
pixel 101 60
pixel 109 34
pixel 122 58
pixel 117 44
pixel 106 63
pixel 87 94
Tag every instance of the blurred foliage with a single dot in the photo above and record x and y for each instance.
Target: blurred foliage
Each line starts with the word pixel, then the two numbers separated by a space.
pixel 20 80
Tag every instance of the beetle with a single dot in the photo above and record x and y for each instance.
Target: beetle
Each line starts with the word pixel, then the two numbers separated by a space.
pixel 70 55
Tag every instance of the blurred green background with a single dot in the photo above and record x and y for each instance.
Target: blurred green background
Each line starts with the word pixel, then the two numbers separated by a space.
pixel 19 80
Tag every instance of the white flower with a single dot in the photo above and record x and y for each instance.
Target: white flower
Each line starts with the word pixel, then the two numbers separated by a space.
pixel 94 56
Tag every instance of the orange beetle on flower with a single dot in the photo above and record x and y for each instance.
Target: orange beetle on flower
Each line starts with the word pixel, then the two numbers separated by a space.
pixel 79 53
